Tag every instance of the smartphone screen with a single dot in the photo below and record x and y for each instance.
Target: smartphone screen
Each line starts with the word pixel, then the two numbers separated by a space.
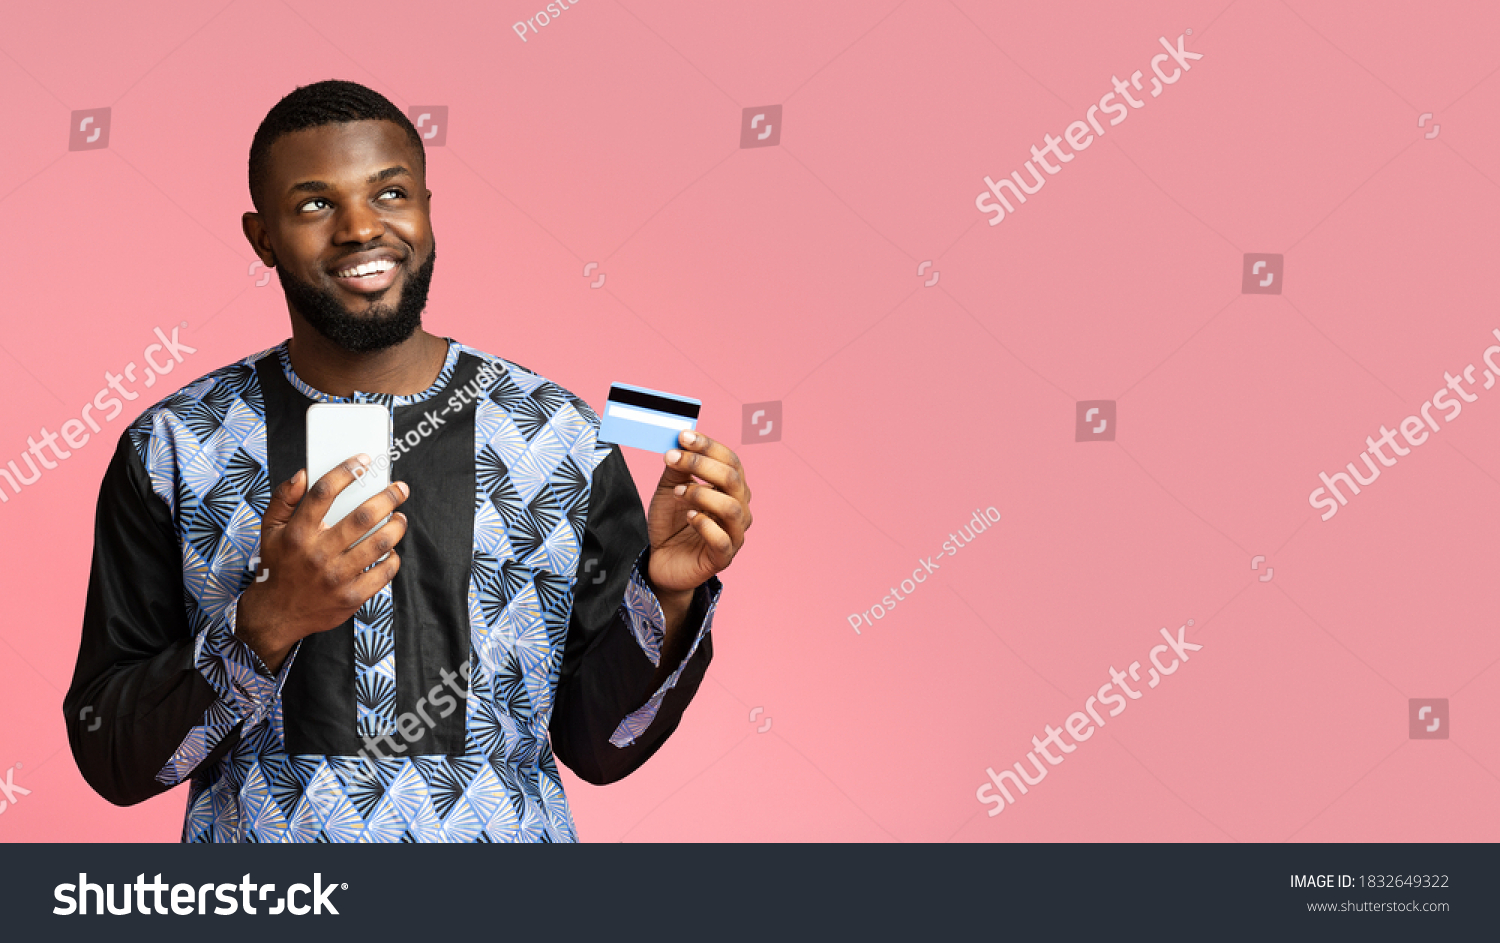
pixel 336 432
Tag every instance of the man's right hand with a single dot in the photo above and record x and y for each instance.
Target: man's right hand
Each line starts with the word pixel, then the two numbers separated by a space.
pixel 315 580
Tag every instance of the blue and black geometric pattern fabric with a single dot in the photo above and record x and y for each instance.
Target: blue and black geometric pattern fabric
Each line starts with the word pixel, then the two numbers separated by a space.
pixel 535 451
pixel 375 666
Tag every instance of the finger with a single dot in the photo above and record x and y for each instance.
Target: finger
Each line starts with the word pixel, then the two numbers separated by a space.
pixel 732 516
pixel 284 499
pixel 358 591
pixel 372 512
pixel 319 498
pixel 384 540
pixel 693 441
pixel 720 547
pixel 687 464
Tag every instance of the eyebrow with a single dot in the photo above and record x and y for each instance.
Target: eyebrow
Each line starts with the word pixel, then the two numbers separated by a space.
pixel 320 186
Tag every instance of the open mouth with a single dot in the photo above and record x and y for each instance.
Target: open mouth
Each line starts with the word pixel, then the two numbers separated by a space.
pixel 372 276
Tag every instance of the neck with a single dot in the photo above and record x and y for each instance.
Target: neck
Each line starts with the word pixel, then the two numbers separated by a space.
pixel 406 369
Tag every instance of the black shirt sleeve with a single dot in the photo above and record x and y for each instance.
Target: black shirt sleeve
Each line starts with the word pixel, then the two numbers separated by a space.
pixel 136 693
pixel 605 673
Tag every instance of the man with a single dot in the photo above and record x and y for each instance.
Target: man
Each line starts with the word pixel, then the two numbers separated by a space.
pixel 414 687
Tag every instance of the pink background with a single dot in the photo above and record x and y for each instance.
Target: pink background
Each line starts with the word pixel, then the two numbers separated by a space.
pixel 790 273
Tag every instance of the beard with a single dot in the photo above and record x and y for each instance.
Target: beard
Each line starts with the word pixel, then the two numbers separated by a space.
pixel 377 327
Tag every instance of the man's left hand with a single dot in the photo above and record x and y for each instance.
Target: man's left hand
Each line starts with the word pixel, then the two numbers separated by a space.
pixel 696 526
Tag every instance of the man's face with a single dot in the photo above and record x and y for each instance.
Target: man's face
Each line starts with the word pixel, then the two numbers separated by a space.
pixel 339 196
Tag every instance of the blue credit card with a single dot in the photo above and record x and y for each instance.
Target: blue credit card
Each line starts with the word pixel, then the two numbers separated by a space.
pixel 646 419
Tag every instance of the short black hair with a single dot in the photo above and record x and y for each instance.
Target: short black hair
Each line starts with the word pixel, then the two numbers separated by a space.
pixel 310 106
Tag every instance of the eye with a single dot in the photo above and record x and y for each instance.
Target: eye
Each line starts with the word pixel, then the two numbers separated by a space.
pixel 317 199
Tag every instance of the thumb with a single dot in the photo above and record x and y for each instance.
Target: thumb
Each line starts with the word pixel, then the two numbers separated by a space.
pixel 284 500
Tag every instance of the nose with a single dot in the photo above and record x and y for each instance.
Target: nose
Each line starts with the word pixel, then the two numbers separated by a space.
pixel 359 223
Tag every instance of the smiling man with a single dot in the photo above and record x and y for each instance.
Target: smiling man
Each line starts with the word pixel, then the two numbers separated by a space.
pixel 518 604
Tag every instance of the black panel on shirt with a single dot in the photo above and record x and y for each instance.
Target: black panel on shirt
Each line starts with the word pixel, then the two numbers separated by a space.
pixel 318 698
pixel 431 589
pixel 431 620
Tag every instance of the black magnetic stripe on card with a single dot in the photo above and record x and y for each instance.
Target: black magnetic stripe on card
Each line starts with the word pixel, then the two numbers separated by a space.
pixel 649 401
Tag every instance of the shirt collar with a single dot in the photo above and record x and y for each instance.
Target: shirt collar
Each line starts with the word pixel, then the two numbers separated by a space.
pixel 385 399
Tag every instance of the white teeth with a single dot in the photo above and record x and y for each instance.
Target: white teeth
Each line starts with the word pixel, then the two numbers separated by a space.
pixel 369 268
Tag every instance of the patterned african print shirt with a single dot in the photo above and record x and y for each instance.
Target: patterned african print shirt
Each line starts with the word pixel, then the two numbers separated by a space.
pixel 520 628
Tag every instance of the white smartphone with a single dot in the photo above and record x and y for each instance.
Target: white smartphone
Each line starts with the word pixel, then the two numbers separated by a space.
pixel 336 432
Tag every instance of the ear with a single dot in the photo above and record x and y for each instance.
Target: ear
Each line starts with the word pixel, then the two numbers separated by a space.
pixel 255 233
